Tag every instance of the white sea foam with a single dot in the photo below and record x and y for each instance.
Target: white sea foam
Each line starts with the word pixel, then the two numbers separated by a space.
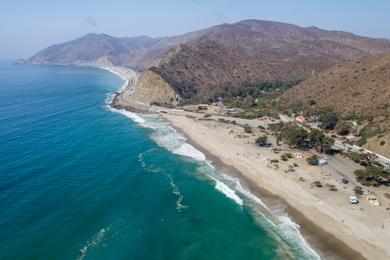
pixel 231 194
pixel 291 230
pixel 175 190
pixel 288 228
pixel 166 136
pixel 189 151
pixel 244 191
pixel 110 96
pixel 133 116
pixel 141 160
pixel 97 239
pixel 126 81
pixel 169 138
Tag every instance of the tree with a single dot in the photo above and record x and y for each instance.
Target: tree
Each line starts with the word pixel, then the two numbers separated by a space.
pixel 292 134
pixel 262 140
pixel 329 120
pixel 343 128
pixel 296 136
pixel 284 157
pixel 372 175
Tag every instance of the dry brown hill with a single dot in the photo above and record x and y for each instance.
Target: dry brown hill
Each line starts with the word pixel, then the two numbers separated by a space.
pixel 360 85
pixel 359 88
pixel 252 50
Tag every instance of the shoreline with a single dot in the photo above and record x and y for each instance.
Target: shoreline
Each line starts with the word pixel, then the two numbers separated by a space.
pixel 325 236
pixel 324 244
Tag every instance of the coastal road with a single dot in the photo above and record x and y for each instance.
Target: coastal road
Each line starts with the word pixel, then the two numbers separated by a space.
pixel 339 145
pixel 347 147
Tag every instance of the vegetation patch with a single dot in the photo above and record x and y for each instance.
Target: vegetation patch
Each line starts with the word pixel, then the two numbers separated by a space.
pixel 373 176
pixel 358 191
pixel 312 160
pixel 297 137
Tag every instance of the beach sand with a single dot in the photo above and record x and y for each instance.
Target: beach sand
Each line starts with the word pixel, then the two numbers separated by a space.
pixel 338 229
pixel 335 228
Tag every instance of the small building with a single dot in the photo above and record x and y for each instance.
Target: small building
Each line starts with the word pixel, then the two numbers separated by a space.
pixel 300 119
pixel 373 200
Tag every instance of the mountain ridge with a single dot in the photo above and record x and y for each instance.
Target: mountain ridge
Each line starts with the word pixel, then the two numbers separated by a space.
pixel 256 51
pixel 196 64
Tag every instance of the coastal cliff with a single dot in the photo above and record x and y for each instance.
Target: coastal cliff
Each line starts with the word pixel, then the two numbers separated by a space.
pixel 151 88
pixel 144 90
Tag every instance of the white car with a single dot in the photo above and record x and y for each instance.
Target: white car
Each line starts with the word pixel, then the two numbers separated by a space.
pixel 353 200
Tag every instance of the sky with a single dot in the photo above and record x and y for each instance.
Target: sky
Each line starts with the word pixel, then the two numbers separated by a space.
pixel 27 26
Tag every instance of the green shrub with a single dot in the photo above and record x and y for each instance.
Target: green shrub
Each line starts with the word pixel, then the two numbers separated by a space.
pixel 274 161
pixel 262 140
pixel 358 190
pixel 317 184
pixel 312 160
pixel 382 143
pixel 247 129
pixel 355 94
pixel 372 175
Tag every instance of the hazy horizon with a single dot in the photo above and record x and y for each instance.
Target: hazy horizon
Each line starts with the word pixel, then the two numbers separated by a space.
pixel 30 27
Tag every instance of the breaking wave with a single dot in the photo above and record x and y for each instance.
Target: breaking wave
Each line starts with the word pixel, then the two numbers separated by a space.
pixel 230 193
pixel 166 136
pixel 278 219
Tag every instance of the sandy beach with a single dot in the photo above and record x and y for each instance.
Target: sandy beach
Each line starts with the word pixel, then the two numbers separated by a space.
pixel 361 227
pixel 335 228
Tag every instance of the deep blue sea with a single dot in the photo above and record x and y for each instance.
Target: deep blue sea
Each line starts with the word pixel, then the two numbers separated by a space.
pixel 81 181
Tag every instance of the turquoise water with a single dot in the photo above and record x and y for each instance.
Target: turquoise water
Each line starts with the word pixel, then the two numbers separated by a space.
pixel 79 181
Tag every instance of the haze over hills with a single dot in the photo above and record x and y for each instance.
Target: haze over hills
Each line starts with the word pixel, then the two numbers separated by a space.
pixel 101 49
pixel 194 63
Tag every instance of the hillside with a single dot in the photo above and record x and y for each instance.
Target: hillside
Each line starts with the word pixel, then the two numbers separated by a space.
pixel 256 51
pixel 93 48
pixel 357 88
pixel 248 50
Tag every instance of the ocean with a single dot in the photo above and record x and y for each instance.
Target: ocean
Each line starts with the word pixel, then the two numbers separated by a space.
pixel 79 180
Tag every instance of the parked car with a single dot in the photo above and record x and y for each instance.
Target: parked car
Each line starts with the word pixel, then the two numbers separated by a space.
pixel 353 200
pixel 322 162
